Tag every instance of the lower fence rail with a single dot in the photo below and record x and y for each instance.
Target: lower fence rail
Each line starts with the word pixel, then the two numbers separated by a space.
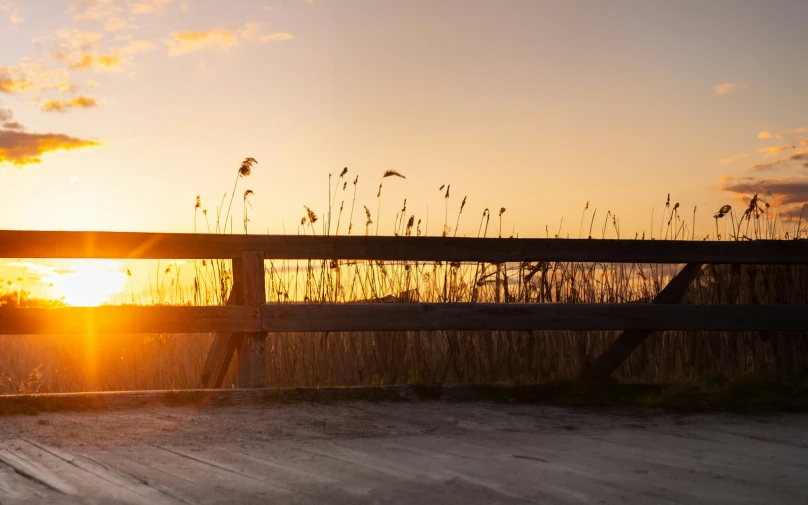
pixel 294 317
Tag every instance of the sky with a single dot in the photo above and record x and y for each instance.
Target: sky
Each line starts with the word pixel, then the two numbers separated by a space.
pixel 117 114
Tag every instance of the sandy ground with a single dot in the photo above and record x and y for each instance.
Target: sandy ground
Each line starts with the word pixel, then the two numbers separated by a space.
pixel 404 452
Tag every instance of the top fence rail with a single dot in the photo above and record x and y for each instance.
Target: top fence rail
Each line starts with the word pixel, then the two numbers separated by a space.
pixel 126 245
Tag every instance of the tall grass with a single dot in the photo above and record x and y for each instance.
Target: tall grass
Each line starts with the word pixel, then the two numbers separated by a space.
pixel 123 362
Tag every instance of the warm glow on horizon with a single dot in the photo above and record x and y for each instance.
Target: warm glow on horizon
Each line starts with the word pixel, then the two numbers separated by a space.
pixel 89 284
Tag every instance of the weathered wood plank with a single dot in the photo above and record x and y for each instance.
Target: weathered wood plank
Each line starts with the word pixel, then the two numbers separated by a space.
pixel 517 316
pixel 252 352
pixel 224 344
pixel 100 320
pixel 402 317
pixel 63 244
pixel 629 340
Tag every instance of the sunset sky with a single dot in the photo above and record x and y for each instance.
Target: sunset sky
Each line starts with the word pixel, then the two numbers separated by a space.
pixel 116 114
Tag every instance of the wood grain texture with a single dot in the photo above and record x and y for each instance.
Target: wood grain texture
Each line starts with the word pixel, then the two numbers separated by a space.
pixel 629 340
pixel 105 320
pixel 120 245
pixel 224 344
pixel 252 351
pixel 402 317
pixel 517 316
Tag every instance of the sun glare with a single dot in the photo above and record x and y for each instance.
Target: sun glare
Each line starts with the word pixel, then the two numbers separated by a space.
pixel 89 284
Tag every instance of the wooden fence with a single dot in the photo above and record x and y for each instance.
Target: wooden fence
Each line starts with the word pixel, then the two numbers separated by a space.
pixel 241 326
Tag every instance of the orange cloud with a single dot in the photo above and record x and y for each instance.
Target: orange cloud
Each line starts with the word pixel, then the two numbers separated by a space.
pixel 787 193
pixel 728 87
pixel 774 150
pixel 190 41
pixel 800 156
pixel 54 106
pixel 764 135
pixel 87 61
pixel 277 36
pixel 83 102
pixel 731 159
pixel 79 102
pixel 20 148
pixel 9 84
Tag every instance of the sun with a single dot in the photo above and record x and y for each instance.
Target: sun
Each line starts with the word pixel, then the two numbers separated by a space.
pixel 89 284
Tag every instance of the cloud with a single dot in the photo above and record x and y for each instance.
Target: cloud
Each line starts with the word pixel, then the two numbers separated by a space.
pixel 79 102
pixel 190 41
pixel 92 84
pixel 6 120
pixel 147 6
pixel 81 50
pixel 184 6
pixel 21 148
pixel 13 125
pixel 790 193
pixel 774 150
pixel 764 135
pixel 277 36
pixel 12 12
pixel 728 87
pixel 801 156
pixel 54 106
pixel 731 159
pixel 107 12
pixel 11 82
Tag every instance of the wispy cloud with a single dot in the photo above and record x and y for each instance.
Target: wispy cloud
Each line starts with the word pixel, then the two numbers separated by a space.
pixel 32 77
pixel 277 36
pixel 788 193
pixel 79 102
pixel 764 135
pixel 20 148
pixel 12 12
pixel 728 87
pixel 800 157
pixel 115 15
pixel 774 150
pixel 732 159
pixel 190 41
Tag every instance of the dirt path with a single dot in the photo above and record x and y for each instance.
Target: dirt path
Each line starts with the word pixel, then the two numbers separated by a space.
pixel 416 452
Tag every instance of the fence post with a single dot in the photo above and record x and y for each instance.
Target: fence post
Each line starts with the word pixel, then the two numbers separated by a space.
pixel 252 351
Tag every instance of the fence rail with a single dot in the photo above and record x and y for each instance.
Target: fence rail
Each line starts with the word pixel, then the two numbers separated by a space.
pixel 293 317
pixel 124 245
pixel 242 326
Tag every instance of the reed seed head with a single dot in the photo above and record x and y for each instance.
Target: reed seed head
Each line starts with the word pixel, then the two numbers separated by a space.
pixel 312 216
pixel 246 167
pixel 392 173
